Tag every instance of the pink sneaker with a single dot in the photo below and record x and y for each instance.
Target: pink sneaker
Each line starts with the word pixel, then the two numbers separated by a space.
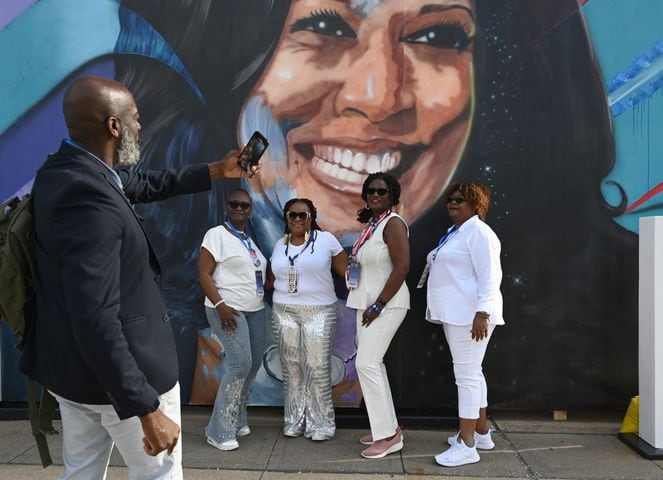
pixel 368 439
pixel 384 447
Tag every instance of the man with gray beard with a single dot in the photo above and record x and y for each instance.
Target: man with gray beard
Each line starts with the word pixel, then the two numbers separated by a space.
pixel 100 340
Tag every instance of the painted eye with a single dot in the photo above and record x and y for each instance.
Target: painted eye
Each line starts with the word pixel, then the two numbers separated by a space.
pixel 442 35
pixel 324 22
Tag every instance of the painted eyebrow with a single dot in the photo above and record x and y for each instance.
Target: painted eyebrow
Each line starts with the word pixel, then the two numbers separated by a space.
pixel 442 8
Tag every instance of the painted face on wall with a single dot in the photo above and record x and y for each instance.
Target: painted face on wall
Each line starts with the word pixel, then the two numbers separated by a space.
pixel 360 86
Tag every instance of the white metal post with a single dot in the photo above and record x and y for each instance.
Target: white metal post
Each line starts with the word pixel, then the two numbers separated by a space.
pixel 650 319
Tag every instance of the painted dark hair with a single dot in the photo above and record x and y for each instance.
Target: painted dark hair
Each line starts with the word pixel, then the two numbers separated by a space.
pixel 311 207
pixel 393 186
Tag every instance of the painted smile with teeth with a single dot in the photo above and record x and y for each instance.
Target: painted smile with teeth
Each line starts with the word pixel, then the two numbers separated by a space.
pixel 352 166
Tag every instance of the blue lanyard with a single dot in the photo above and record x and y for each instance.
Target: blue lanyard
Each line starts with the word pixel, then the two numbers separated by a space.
pixel 311 239
pixel 246 243
pixel 445 238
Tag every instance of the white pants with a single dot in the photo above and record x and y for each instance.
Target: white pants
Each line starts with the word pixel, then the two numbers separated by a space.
pixel 467 356
pixel 89 432
pixel 372 344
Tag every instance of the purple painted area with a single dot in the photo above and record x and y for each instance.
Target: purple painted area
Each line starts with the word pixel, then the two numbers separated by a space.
pixel 11 9
pixel 24 146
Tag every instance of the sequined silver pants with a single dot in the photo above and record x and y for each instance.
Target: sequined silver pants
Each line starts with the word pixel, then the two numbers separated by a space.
pixel 306 334
pixel 243 352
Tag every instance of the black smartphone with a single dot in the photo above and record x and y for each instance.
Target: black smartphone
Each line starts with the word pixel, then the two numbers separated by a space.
pixel 253 150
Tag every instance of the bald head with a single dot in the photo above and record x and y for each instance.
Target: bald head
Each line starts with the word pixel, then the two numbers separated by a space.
pixel 94 109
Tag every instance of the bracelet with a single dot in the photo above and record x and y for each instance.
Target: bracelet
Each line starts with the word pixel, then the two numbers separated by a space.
pixel 484 315
pixel 375 307
pixel 380 302
pixel 219 303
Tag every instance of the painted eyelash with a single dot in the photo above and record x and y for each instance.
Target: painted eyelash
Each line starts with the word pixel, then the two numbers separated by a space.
pixel 446 23
pixel 314 15
pixel 454 23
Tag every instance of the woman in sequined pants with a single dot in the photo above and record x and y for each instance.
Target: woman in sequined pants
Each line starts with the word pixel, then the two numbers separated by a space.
pixel 304 309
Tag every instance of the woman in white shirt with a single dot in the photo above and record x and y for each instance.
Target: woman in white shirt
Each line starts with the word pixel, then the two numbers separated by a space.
pixel 464 296
pixel 304 309
pixel 231 270
pixel 376 277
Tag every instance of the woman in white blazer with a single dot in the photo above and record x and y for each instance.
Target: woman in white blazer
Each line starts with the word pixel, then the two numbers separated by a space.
pixel 464 276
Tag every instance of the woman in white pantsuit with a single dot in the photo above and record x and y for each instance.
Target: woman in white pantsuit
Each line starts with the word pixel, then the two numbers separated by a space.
pixel 464 296
pixel 376 277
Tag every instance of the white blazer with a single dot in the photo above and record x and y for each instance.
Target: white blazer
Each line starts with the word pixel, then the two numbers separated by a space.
pixel 465 276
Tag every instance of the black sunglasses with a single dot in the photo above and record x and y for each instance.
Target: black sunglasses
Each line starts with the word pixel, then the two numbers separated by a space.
pixel 377 191
pixel 456 200
pixel 301 215
pixel 235 204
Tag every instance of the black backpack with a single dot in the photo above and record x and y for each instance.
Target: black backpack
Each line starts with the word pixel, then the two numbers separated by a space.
pixel 17 273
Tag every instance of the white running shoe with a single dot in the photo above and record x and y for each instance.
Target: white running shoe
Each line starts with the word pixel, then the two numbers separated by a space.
pixel 457 455
pixel 225 446
pixel 482 442
pixel 244 431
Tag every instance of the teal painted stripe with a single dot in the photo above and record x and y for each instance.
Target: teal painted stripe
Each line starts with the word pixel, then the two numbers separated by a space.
pixel 46 44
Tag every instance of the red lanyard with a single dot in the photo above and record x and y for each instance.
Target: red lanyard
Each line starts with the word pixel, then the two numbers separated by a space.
pixel 367 232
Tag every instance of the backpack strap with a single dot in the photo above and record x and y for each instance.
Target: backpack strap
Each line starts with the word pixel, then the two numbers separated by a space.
pixel 42 444
pixel 46 413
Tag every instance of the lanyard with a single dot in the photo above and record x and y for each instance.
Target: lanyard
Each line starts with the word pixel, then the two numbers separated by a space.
pixel 367 232
pixel 246 243
pixel 445 238
pixel 311 239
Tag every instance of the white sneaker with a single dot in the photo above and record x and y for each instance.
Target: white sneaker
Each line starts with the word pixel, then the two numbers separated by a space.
pixel 482 442
pixel 244 431
pixel 457 455
pixel 225 446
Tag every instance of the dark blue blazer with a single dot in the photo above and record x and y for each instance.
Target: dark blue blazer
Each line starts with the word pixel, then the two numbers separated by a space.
pixel 101 332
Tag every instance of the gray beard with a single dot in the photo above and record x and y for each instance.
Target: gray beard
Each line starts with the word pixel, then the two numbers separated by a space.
pixel 129 150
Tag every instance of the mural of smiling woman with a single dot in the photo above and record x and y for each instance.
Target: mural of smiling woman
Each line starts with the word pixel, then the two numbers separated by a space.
pixel 507 93
pixel 359 87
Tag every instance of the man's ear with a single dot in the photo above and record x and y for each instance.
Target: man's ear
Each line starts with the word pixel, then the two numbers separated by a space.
pixel 114 127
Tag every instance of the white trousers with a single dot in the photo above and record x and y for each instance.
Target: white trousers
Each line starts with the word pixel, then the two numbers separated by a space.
pixel 467 356
pixel 89 432
pixel 372 344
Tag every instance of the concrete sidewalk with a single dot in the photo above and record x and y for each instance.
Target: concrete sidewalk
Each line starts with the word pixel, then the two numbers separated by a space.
pixel 528 446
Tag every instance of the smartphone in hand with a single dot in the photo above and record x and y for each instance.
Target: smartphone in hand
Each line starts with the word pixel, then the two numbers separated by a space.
pixel 253 150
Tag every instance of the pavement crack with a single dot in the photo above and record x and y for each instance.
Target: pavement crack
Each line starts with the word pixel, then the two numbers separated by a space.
pixel 530 472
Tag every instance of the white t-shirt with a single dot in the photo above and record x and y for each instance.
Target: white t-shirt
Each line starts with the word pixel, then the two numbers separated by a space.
pixel 314 278
pixel 235 274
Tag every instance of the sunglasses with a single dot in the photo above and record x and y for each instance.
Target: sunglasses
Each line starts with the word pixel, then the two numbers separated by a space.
pixel 456 200
pixel 235 204
pixel 377 191
pixel 292 215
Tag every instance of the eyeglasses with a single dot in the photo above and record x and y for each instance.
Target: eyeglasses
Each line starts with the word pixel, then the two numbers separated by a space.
pixel 456 200
pixel 235 204
pixel 377 191
pixel 292 215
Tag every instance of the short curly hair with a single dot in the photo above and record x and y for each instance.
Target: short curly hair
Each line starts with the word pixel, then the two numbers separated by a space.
pixel 478 195
pixel 394 188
